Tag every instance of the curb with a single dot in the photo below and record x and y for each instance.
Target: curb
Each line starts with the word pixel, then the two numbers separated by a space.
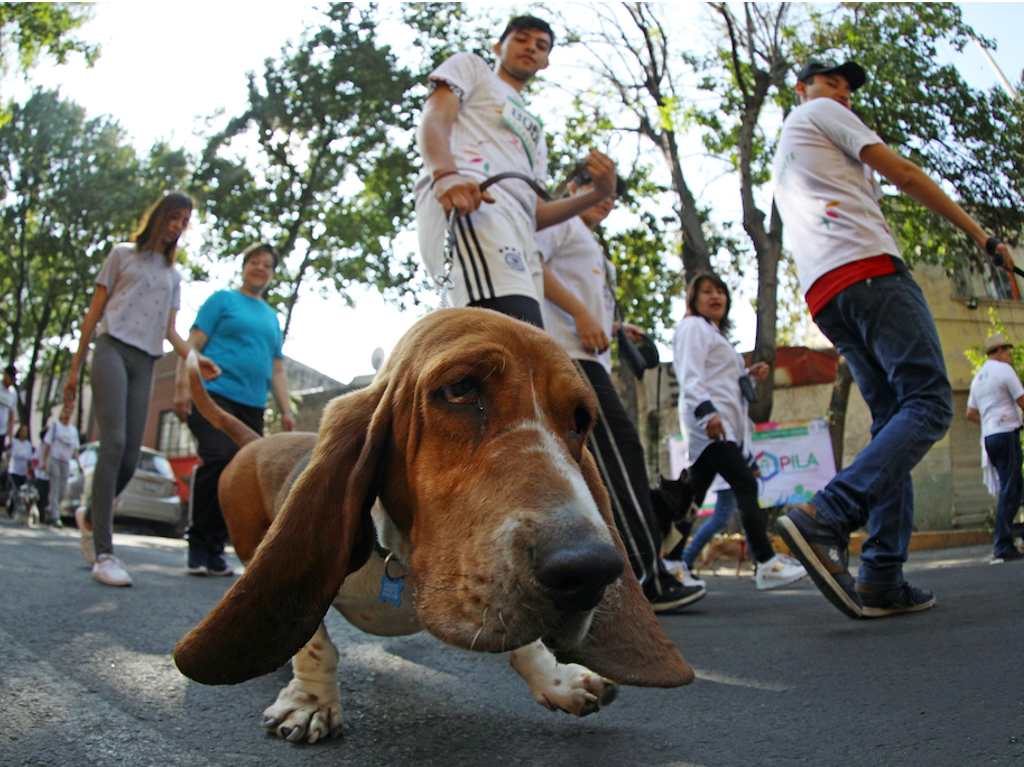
pixel 924 540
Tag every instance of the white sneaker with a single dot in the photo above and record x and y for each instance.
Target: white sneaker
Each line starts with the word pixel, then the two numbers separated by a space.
pixel 777 572
pixel 109 571
pixel 678 568
pixel 85 542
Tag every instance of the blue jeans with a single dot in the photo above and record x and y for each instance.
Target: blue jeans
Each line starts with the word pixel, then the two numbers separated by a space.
pixel 725 507
pixel 1005 454
pixel 884 329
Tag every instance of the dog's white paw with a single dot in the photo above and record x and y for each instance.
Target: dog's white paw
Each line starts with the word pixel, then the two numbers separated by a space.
pixel 575 690
pixel 305 712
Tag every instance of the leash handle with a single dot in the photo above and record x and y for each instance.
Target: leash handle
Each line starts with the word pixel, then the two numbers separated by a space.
pixel 444 280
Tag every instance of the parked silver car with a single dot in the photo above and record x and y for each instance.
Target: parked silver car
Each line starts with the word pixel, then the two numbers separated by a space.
pixel 151 495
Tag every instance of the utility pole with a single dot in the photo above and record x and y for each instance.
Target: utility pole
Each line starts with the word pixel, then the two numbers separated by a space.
pixel 1007 85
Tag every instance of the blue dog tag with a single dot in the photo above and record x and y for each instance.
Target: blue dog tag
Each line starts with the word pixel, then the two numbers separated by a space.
pixel 391 590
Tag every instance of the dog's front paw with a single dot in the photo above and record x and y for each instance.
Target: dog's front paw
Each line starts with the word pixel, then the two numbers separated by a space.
pixel 575 690
pixel 305 712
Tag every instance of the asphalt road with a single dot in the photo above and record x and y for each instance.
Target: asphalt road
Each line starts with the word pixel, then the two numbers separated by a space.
pixel 86 678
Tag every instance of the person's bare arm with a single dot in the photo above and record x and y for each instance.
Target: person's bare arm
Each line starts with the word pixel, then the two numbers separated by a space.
pixel 974 416
pixel 451 189
pixel 587 328
pixel 207 367
pixel 89 322
pixel 916 184
pixel 279 385
pixel 602 171
pixel 182 398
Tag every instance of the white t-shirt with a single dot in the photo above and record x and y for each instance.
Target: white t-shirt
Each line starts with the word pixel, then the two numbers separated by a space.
pixel 143 290
pixel 827 197
pixel 21 454
pixel 571 251
pixel 708 369
pixel 37 463
pixel 994 394
pixel 63 441
pixel 494 132
pixel 8 404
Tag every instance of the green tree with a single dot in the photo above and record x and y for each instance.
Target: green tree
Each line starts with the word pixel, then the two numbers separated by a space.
pixel 27 30
pixel 318 163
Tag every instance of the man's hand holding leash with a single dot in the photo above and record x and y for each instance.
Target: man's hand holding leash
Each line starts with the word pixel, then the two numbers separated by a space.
pixel 458 192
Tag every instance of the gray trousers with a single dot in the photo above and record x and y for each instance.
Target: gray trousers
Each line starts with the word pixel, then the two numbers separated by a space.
pixel 122 377
pixel 58 471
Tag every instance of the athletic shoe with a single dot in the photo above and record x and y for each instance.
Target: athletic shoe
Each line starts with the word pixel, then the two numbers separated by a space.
pixel 674 595
pixel 85 542
pixel 824 553
pixel 881 602
pixel 777 572
pixel 1010 556
pixel 681 572
pixel 197 561
pixel 217 565
pixel 109 571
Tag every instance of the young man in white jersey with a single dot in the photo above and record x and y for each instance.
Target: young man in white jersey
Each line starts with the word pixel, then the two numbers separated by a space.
pixel 579 313
pixel 861 296
pixel 994 402
pixel 476 125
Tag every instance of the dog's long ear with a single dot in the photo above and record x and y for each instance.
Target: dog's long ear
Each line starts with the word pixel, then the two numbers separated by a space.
pixel 289 584
pixel 626 642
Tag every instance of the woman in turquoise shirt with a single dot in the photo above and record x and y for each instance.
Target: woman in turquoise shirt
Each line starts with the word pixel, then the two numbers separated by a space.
pixel 239 330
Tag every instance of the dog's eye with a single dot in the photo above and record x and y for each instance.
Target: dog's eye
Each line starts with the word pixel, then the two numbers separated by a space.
pixel 463 392
pixel 580 421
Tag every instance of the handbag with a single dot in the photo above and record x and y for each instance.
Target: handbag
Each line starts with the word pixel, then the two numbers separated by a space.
pixel 637 356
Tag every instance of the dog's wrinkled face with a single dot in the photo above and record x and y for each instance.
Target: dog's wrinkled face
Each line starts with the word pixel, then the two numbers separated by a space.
pixel 485 481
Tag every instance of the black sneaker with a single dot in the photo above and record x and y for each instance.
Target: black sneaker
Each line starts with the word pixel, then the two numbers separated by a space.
pixel 217 565
pixel 881 602
pixel 674 595
pixel 823 553
pixel 196 561
pixel 1010 556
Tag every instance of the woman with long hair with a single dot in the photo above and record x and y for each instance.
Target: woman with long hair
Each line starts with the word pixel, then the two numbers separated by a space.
pixel 713 415
pixel 133 310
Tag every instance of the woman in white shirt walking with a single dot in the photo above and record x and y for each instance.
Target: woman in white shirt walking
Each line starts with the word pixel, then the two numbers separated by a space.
pixel 713 412
pixel 134 310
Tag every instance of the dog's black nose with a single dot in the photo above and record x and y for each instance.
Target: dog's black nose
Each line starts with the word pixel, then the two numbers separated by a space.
pixel 576 574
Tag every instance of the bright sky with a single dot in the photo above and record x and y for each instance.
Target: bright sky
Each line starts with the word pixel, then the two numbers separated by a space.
pixel 162 70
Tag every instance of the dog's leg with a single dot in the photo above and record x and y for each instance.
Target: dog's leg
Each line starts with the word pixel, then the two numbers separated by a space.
pixel 309 708
pixel 569 687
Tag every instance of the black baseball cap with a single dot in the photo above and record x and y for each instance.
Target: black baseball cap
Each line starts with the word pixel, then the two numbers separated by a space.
pixel 851 70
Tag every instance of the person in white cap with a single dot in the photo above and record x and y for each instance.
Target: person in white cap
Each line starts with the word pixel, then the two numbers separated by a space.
pixel 994 402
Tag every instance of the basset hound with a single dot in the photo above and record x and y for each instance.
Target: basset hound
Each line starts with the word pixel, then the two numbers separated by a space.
pixel 454 494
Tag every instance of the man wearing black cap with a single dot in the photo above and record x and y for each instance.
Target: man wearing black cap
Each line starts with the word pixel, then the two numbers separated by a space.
pixel 860 294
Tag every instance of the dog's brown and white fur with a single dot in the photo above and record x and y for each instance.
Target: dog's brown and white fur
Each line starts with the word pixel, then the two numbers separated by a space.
pixel 466 459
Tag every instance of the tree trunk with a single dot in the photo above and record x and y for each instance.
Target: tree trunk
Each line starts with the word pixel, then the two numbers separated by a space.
pixel 837 407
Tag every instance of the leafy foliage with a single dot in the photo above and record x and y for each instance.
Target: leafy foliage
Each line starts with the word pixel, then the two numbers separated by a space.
pixel 29 29
pixel 318 164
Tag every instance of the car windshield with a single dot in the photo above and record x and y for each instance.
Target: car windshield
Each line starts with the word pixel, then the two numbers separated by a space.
pixel 156 464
